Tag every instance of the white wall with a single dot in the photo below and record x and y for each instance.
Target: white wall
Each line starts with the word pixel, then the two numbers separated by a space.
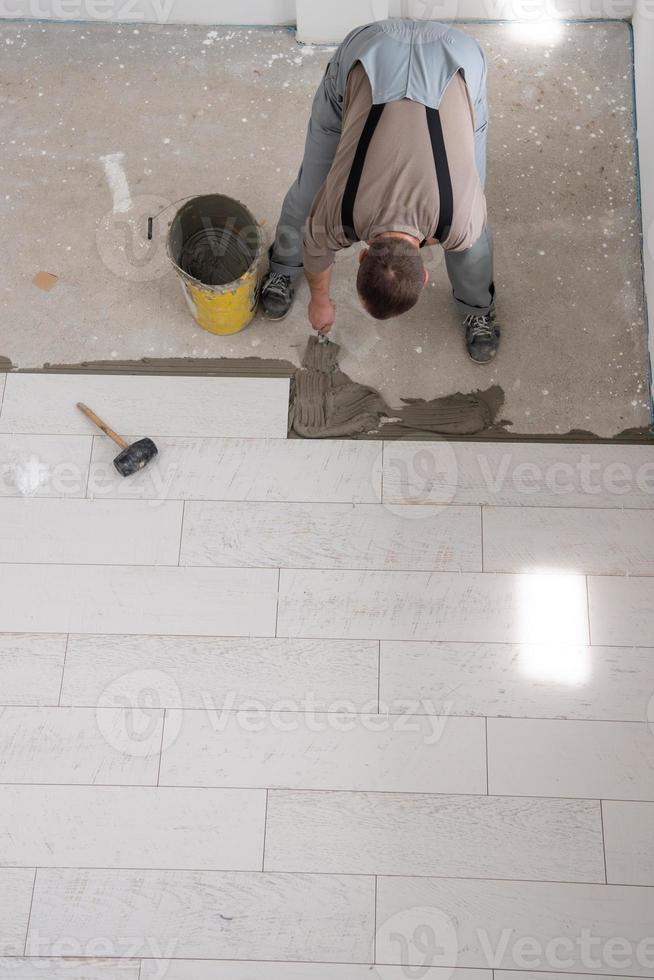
pixel 155 11
pixel 322 21
pixel 644 60
pixel 524 10
pixel 329 22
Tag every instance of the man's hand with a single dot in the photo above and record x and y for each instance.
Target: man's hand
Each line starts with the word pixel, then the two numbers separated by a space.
pixel 322 314
pixel 322 311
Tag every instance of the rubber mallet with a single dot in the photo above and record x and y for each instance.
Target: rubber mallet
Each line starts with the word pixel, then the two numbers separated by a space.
pixel 132 458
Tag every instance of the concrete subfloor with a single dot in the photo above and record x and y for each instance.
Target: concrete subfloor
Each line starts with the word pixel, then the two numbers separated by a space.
pixel 105 125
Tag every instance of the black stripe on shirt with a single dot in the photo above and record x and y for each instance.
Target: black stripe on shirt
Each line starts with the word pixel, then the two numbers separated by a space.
pixel 446 209
pixel 354 179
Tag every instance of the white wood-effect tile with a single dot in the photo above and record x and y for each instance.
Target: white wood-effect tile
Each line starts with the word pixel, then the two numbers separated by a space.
pixel 44 466
pixel 26 968
pixel 465 836
pixel 31 667
pixel 329 471
pixel 583 540
pixel 129 599
pixel 131 827
pixel 80 745
pixel 15 895
pixel 233 970
pixel 433 606
pixel 216 672
pixel 517 680
pixel 621 610
pixel 227 915
pixel 101 532
pixel 484 923
pixel 167 406
pixel 518 474
pixel 629 842
pixel 351 536
pixel 321 751
pixel 583 759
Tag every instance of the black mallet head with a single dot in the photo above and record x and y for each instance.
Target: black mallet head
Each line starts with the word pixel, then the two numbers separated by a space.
pixel 132 458
pixel 135 457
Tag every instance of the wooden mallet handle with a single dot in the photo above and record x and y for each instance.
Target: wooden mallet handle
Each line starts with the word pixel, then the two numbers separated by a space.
pixel 102 425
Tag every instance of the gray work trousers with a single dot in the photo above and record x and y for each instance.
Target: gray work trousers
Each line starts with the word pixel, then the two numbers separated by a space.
pixel 470 272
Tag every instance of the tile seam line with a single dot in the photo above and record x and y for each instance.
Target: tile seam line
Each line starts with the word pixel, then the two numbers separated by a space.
pixel 601 813
pixel 375 906
pixel 319 711
pixel 589 621
pixel 328 639
pixel 441 794
pixel 457 573
pixel 440 507
pixel 308 963
pixel 181 535
pixel 88 472
pixel 161 746
pixel 29 914
pixel 225 568
pixel 379 666
pixel 301 791
pixel 599 882
pixel 331 502
pixel 63 672
pixel 322 639
pixel 563 573
pixel 117 870
pixel 488 792
pixel 342 963
pixel 265 833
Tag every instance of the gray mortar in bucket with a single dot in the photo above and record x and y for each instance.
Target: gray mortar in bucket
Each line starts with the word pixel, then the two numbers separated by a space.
pixel 214 240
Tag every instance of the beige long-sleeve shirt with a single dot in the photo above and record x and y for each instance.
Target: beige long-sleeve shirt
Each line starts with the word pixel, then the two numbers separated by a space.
pixel 399 189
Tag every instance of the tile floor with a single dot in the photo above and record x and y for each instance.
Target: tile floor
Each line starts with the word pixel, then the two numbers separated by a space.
pixel 283 710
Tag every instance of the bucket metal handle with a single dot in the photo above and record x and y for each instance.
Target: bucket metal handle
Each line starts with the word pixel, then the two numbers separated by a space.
pixel 153 218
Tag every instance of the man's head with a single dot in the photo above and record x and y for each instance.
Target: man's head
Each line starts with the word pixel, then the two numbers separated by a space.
pixel 391 277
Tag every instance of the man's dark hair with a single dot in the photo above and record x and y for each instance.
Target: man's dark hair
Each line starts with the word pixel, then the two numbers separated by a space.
pixel 390 278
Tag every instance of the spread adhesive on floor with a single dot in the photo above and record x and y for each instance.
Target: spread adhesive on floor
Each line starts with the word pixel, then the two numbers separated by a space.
pixel 326 403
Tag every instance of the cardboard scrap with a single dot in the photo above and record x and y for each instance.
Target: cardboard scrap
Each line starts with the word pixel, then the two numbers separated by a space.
pixel 45 280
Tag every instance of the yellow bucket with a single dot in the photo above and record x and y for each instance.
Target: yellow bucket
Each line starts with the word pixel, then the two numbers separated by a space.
pixel 217 249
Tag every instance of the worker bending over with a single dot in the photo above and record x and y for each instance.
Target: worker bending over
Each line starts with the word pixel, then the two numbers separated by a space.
pixel 395 156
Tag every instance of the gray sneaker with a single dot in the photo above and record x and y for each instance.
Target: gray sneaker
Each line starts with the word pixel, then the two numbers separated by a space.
pixel 277 295
pixel 482 336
